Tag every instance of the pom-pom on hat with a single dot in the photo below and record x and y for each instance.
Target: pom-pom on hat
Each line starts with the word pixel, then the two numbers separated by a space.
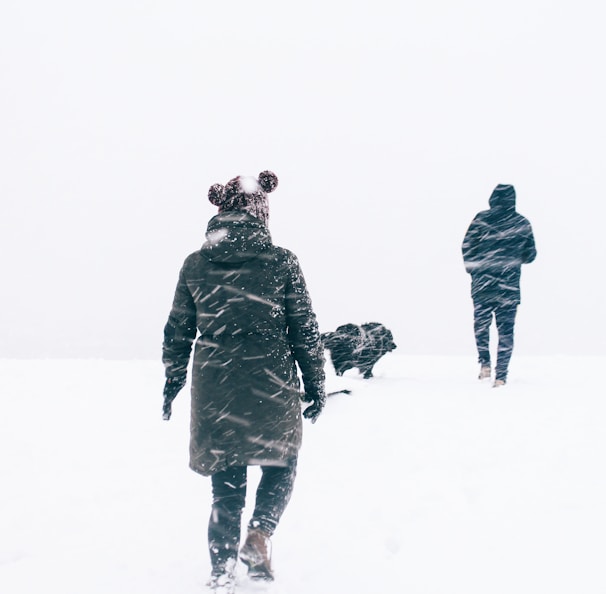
pixel 245 193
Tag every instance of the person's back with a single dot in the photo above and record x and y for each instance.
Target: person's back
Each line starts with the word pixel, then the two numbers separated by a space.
pixel 498 241
pixel 250 306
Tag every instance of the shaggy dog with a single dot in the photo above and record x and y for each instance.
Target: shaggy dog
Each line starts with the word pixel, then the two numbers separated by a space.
pixel 358 346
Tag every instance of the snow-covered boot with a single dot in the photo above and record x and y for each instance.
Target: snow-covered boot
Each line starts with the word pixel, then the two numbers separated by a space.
pixel 484 372
pixel 223 578
pixel 255 553
pixel 498 383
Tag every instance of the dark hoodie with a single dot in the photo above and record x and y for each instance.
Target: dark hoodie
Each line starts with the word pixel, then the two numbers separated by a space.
pixel 247 301
pixel 497 243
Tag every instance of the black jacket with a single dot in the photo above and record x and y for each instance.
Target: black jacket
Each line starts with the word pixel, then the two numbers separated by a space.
pixel 497 243
pixel 247 302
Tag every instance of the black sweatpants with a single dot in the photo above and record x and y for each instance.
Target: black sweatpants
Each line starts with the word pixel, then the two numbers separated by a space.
pixel 229 498
pixel 505 317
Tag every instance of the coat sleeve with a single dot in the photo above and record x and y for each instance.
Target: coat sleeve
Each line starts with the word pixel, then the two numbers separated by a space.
pixel 470 245
pixel 303 332
pixel 179 331
pixel 529 252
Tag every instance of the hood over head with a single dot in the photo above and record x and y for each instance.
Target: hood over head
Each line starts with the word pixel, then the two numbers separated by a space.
pixel 235 236
pixel 503 196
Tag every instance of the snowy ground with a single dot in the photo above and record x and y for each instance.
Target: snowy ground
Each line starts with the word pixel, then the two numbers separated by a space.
pixel 423 481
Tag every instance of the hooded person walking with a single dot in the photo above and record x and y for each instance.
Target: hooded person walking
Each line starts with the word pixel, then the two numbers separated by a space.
pixel 244 302
pixel 496 244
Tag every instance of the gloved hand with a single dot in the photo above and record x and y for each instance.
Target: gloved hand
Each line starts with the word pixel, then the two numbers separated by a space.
pixel 172 387
pixel 318 400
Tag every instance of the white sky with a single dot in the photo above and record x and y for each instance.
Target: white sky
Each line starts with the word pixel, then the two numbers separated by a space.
pixel 387 123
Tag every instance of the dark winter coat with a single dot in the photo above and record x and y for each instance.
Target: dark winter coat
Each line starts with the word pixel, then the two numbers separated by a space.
pixel 497 243
pixel 247 301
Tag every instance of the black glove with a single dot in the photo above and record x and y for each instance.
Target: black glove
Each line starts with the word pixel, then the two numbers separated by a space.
pixel 318 400
pixel 172 387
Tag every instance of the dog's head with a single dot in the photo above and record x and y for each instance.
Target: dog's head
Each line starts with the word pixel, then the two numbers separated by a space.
pixel 389 343
pixel 381 336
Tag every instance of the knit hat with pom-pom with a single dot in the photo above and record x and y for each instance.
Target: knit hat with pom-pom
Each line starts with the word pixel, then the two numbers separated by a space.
pixel 245 193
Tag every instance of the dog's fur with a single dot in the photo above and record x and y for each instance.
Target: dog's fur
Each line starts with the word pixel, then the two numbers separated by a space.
pixel 360 347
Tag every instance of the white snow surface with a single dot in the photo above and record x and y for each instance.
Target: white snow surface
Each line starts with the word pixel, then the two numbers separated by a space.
pixel 424 480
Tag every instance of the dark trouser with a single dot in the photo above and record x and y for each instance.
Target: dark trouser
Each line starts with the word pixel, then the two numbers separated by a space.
pixel 229 498
pixel 505 318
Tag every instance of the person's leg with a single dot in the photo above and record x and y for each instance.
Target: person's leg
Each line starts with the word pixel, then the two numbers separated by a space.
pixel 273 494
pixel 229 498
pixel 482 318
pixel 505 317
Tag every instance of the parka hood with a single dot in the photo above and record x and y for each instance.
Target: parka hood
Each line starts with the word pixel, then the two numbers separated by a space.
pixel 503 196
pixel 235 236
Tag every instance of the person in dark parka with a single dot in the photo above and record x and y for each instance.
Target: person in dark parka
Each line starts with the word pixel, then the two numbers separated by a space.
pixel 246 301
pixel 497 243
